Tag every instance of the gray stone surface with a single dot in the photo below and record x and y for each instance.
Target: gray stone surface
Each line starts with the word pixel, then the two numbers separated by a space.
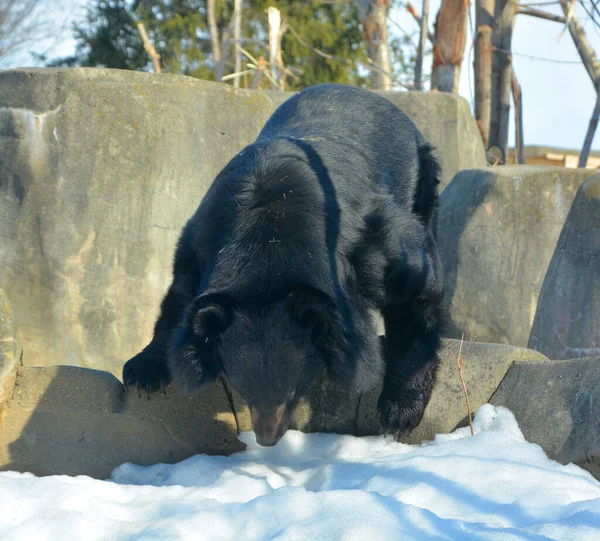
pixel 484 368
pixel 328 408
pixel 71 420
pixel 498 230
pixel 445 119
pixel 9 348
pixel 99 171
pixel 77 421
pixel 567 322
pixel 557 405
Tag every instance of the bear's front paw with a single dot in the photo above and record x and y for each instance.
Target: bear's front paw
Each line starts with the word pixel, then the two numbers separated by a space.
pixel 400 412
pixel 146 372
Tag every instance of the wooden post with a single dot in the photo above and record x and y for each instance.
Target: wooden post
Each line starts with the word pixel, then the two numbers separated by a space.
pixel 484 20
pixel 505 12
pixel 237 36
pixel 154 56
pixel 449 45
pixel 422 45
pixel 518 100
pixel 589 137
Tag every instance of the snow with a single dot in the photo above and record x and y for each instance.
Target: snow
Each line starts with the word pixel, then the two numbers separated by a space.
pixel 493 486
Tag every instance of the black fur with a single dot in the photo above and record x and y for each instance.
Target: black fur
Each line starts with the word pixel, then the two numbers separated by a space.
pixel 328 215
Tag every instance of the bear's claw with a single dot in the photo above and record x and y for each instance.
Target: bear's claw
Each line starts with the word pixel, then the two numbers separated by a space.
pixel 147 373
pixel 400 413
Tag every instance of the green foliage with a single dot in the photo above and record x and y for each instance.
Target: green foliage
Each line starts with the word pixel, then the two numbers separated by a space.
pixel 179 31
pixel 403 52
pixel 107 38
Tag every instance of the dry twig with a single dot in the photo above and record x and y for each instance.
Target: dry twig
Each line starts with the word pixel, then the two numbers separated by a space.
pixel 460 361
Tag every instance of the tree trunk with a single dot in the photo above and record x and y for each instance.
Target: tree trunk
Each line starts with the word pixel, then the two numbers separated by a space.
pixel 277 28
pixel 518 99
pixel 411 9
pixel 589 137
pixel 237 36
pixel 585 50
pixel 449 45
pixel 373 15
pixel 215 39
pixel 484 20
pixel 533 12
pixel 506 11
pixel 590 61
pixel 422 45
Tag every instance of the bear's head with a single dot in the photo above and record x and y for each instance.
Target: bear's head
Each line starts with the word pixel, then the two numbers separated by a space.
pixel 269 352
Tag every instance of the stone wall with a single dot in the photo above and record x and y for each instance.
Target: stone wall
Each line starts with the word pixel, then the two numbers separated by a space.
pixel 100 169
pixel 498 233
pixel 78 421
pixel 567 320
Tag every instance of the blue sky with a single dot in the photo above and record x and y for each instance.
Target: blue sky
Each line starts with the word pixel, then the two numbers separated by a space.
pixel 558 98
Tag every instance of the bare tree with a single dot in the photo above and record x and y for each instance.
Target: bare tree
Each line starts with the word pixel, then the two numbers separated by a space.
pixel 586 53
pixel 505 13
pixel 214 37
pixel 277 28
pixel 373 15
pixel 24 22
pixel 592 66
pixel 220 41
pixel 449 45
pixel 422 45
pixel 237 36
pixel 518 101
pixel 484 22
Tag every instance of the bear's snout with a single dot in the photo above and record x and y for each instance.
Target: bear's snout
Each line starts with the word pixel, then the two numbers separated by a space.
pixel 269 426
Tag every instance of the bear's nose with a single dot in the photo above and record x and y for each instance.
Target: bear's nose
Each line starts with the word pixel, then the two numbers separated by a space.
pixel 270 425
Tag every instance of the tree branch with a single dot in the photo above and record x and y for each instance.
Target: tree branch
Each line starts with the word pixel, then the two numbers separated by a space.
pixel 411 9
pixel 532 12
pixel 585 50
pixel 154 56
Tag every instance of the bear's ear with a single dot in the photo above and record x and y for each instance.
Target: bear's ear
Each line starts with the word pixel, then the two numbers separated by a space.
pixel 211 315
pixel 311 308
pixel 192 359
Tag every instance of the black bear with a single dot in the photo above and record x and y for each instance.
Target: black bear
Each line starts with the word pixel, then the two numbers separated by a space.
pixel 329 215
